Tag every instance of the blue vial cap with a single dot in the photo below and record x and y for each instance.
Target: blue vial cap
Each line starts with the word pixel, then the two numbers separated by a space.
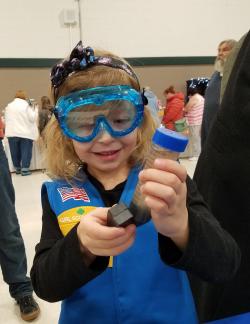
pixel 170 140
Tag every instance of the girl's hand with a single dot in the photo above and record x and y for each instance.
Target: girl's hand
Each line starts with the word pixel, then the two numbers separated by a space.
pixel 165 192
pixel 101 240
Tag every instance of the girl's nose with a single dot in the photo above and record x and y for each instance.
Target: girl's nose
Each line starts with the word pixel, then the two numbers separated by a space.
pixel 103 135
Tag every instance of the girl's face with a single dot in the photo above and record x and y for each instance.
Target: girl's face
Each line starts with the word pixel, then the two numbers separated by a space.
pixel 106 154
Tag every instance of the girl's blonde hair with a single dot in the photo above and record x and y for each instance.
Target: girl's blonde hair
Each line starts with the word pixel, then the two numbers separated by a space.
pixel 61 159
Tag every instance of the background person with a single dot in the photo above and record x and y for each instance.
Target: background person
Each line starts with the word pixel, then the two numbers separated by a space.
pixel 153 104
pixel 174 107
pixel 12 252
pixel 223 178
pixel 193 111
pixel 45 113
pixel 212 94
pixel 21 130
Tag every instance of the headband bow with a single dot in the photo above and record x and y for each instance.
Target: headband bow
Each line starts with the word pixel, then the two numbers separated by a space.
pixel 81 58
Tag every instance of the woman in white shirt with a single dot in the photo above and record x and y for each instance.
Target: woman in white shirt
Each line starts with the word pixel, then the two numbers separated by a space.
pixel 21 130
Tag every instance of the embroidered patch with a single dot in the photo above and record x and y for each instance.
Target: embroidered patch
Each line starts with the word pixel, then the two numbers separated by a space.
pixel 70 217
pixel 73 193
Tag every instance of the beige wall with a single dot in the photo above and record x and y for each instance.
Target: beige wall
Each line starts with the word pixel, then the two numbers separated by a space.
pixel 160 77
pixel 36 80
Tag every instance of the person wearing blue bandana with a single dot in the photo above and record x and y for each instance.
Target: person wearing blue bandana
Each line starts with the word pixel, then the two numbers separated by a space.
pixel 96 144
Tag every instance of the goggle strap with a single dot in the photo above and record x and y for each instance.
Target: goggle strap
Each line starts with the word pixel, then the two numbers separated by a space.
pixel 55 112
pixel 144 98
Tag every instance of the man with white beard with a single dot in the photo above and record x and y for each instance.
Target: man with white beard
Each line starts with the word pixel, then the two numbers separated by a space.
pixel 212 95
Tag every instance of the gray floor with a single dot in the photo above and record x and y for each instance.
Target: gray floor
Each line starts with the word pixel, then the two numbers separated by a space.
pixel 29 214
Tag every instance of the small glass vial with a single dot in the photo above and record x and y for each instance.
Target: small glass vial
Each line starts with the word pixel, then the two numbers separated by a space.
pixel 166 144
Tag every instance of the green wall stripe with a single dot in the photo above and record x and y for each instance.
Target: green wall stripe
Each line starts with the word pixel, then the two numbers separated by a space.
pixel 180 60
pixel 135 61
pixel 27 62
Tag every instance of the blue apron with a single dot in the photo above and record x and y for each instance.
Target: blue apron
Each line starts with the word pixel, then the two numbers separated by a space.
pixel 237 319
pixel 139 287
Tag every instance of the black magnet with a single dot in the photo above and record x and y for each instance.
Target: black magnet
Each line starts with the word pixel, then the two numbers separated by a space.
pixel 119 215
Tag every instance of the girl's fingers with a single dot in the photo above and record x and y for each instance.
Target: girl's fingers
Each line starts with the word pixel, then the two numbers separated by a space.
pixel 161 177
pixel 102 240
pixel 160 191
pixel 99 231
pixel 157 205
pixel 113 251
pixel 171 166
pixel 112 243
pixel 94 224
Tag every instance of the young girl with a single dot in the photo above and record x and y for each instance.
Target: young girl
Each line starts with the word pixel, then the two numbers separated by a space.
pixel 95 151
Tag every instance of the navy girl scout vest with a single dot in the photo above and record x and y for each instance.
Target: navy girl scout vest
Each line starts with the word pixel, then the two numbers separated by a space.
pixel 137 287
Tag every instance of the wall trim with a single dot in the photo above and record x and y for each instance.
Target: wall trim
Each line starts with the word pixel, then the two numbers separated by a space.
pixel 171 60
pixel 134 61
pixel 27 62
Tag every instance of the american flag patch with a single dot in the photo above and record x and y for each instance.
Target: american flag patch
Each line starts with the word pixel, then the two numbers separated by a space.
pixel 73 193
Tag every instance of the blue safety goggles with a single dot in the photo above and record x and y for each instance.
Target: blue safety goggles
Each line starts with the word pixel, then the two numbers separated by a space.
pixel 83 114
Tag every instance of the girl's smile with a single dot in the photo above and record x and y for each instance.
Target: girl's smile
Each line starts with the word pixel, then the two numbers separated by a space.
pixel 107 156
